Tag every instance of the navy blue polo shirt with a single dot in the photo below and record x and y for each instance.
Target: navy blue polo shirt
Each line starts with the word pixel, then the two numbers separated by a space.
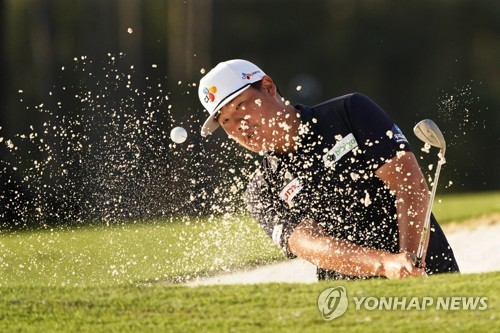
pixel 331 178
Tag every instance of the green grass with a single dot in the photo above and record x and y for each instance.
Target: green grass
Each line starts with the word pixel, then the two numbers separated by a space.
pixel 244 308
pixel 118 279
pixel 459 207
pixel 132 253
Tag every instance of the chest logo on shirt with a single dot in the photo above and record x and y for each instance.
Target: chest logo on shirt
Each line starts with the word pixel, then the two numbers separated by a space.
pixel 291 190
pixel 341 148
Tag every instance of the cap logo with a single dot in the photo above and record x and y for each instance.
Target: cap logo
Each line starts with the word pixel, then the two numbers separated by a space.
pixel 247 76
pixel 209 93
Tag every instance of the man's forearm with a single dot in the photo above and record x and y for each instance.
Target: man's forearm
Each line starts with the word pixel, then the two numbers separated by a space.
pixel 411 215
pixel 309 241
pixel 403 177
pixel 411 204
pixel 335 254
pixel 347 258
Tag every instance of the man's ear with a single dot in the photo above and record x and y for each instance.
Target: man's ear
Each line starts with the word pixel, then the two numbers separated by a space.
pixel 268 85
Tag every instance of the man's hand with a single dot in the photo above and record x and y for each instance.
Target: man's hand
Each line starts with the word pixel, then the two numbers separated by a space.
pixel 399 266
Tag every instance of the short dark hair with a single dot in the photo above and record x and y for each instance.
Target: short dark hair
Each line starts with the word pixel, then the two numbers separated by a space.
pixel 257 85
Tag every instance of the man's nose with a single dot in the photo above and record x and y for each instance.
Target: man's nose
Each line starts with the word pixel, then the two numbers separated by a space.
pixel 243 125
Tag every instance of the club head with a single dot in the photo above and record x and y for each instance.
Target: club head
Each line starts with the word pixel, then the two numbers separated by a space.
pixel 427 131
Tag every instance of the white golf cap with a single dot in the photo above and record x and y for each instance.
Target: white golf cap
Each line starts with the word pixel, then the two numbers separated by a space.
pixel 222 84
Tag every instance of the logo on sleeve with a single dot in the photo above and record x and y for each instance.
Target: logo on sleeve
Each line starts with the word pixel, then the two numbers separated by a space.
pixel 291 190
pixel 398 135
pixel 341 148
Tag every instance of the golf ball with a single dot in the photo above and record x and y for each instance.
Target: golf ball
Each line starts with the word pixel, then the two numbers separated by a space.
pixel 178 135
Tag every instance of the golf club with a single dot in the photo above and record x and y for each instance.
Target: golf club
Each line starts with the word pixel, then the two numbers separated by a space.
pixel 427 131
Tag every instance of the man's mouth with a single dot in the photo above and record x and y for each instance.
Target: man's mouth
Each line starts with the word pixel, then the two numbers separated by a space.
pixel 251 136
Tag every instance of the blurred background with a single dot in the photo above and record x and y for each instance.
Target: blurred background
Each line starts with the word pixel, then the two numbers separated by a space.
pixel 90 90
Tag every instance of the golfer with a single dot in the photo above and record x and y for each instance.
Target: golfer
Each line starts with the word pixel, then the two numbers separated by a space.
pixel 338 184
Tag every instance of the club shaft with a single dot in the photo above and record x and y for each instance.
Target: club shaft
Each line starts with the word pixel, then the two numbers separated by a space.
pixel 427 221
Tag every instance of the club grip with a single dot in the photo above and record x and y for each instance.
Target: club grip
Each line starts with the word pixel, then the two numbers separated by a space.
pixel 418 262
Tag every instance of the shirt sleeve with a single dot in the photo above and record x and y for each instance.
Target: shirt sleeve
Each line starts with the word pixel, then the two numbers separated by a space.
pixel 377 134
pixel 268 210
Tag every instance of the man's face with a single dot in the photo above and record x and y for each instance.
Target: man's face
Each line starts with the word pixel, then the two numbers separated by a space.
pixel 255 120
